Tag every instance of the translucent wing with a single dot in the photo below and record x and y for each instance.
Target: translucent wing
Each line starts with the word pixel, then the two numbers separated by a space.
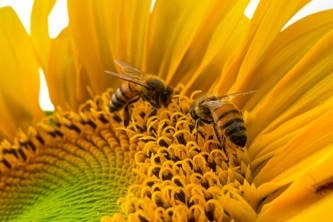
pixel 130 73
pixel 128 77
pixel 213 104
pixel 127 68
pixel 219 101
pixel 233 95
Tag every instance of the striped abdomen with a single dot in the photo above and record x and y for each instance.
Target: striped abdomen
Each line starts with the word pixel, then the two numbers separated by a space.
pixel 122 96
pixel 229 119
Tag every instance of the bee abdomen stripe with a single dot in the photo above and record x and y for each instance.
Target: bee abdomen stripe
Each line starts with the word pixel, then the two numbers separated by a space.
pixel 239 128
pixel 232 111
pixel 127 91
pixel 236 120
pixel 116 99
pixel 116 103
pixel 123 92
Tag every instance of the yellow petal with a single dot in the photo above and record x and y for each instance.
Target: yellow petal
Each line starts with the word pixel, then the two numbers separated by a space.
pixel 268 143
pixel 67 83
pixel 173 26
pixel 286 51
pixel 104 30
pixel 308 107
pixel 128 30
pixel 39 29
pixel 268 20
pixel 218 34
pixel 307 146
pixel 311 74
pixel 322 207
pixel 310 194
pixel 19 75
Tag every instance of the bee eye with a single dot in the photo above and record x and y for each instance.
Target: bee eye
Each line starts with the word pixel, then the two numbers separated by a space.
pixel 165 95
pixel 193 114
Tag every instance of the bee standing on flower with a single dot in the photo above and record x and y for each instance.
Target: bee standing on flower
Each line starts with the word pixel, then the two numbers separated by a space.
pixel 138 85
pixel 225 116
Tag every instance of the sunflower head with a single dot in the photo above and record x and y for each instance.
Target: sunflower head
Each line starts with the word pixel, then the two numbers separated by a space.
pixel 167 154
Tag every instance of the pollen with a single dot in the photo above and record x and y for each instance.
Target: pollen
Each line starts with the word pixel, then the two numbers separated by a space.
pixel 87 165
pixel 179 177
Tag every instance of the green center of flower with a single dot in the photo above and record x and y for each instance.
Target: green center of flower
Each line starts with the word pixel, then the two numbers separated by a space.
pixel 70 167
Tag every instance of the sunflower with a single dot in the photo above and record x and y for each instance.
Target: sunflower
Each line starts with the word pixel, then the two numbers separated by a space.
pixel 83 163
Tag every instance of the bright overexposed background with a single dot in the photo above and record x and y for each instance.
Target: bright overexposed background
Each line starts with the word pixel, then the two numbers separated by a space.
pixel 58 19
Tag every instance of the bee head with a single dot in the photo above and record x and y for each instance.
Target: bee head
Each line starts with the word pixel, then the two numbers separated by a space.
pixel 165 96
pixel 157 93
pixel 199 111
pixel 193 111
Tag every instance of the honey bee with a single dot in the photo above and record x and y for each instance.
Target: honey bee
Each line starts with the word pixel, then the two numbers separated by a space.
pixel 138 85
pixel 224 115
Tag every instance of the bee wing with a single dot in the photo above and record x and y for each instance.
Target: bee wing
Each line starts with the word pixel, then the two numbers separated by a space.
pixel 219 101
pixel 128 77
pixel 233 95
pixel 127 68
pixel 213 104
pixel 130 73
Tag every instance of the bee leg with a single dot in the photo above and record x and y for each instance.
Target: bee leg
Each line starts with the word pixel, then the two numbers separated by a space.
pixel 127 113
pixel 196 127
pixel 219 138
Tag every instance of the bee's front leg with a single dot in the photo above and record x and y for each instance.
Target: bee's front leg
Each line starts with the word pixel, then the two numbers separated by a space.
pixel 219 137
pixel 127 112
